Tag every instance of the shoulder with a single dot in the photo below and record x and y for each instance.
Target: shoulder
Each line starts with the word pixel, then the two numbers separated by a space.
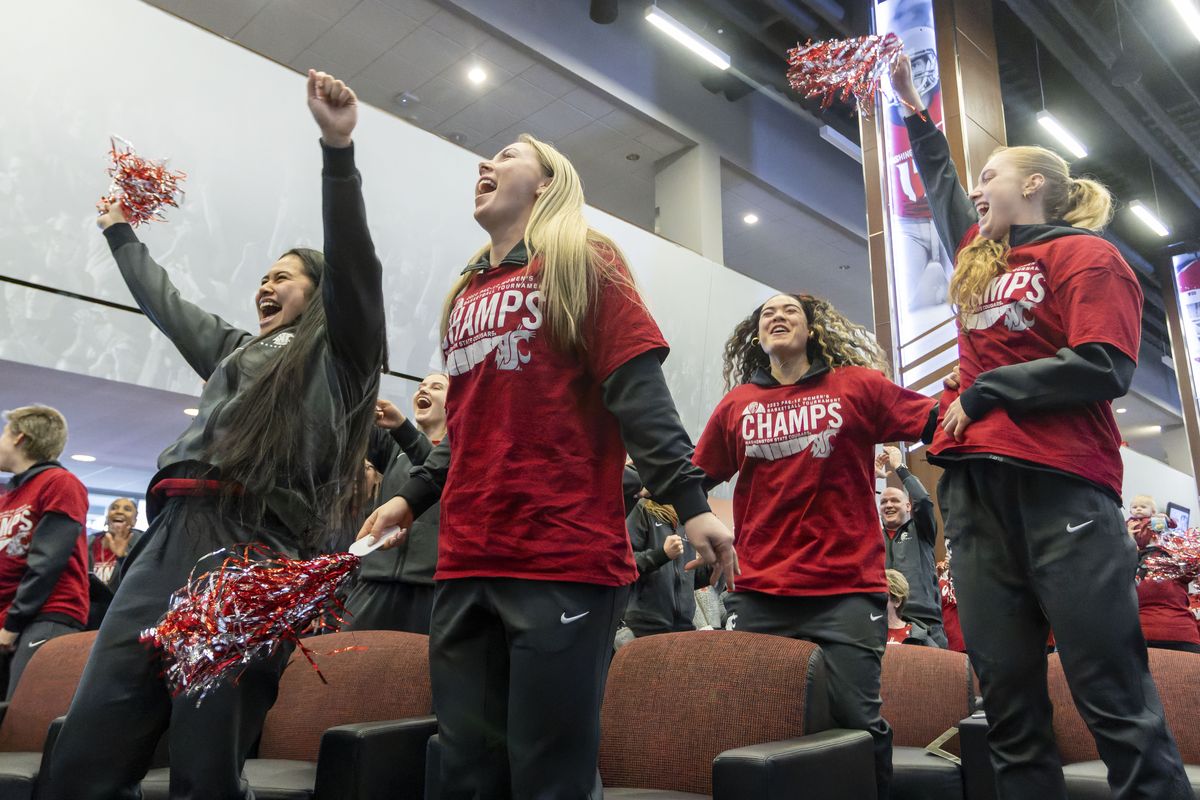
pixel 1068 255
pixel 61 479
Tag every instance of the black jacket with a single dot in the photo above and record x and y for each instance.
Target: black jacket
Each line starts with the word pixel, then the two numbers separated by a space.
pixel 912 554
pixel 1087 373
pixel 663 598
pixel 228 358
pixel 415 560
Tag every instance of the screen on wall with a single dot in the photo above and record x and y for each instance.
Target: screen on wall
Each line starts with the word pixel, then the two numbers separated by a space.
pixel 919 267
pixel 1187 284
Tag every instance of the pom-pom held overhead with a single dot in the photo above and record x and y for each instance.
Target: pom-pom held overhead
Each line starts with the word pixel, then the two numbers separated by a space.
pixel 140 185
pixel 844 67
pixel 242 611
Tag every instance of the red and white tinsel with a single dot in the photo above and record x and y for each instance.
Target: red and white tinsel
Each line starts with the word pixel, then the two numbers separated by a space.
pixel 141 186
pixel 844 67
pixel 242 611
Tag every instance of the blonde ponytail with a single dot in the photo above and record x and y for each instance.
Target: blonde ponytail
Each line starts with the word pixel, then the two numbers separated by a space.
pixel 1081 202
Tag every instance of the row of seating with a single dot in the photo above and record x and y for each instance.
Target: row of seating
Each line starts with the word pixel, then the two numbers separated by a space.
pixel 727 715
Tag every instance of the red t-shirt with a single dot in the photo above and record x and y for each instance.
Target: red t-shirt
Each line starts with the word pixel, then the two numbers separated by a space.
pixel 1059 293
pixel 898 635
pixel 907 190
pixel 534 488
pixel 104 561
pixel 1163 611
pixel 950 624
pixel 53 490
pixel 804 511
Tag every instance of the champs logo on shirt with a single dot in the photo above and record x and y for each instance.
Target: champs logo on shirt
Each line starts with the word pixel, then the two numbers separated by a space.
pixel 1011 299
pixel 788 427
pixel 16 529
pixel 497 322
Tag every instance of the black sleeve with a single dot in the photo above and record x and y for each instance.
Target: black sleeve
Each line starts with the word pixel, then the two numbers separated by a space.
pixel 423 489
pixel 415 444
pixel 1090 373
pixel 637 395
pixel 631 487
pixel 352 287
pixel 953 212
pixel 646 556
pixel 50 549
pixel 203 339
pixel 922 505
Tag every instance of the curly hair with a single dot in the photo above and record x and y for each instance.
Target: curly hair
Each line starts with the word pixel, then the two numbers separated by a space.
pixel 835 339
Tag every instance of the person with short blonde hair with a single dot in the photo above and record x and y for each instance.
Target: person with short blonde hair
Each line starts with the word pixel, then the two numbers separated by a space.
pixel 43 542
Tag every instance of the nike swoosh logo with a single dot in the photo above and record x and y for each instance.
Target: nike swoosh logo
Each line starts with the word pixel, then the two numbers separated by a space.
pixel 564 619
pixel 39 641
pixel 1080 526
pixel 876 617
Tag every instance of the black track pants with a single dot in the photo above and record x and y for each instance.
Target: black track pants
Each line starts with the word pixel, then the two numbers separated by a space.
pixel 1035 551
pixel 518 670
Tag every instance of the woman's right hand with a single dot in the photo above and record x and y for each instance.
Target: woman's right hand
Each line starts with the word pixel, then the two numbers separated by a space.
pixel 394 513
pixel 110 214
pixel 903 86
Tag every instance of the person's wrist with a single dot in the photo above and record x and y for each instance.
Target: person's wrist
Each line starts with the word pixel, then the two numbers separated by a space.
pixel 335 140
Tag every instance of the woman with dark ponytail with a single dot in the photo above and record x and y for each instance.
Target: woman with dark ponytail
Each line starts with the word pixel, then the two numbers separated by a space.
pixel 271 458
pixel 808 401
pixel 1049 321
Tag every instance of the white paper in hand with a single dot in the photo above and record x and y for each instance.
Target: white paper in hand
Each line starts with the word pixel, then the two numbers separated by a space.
pixel 370 544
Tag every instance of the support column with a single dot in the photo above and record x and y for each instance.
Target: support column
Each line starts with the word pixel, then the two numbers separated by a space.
pixel 687 196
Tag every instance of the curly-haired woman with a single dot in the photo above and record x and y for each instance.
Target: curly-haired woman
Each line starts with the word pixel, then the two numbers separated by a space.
pixel 808 402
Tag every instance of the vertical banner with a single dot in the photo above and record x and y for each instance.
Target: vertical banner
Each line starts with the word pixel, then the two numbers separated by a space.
pixel 919 266
pixel 1187 285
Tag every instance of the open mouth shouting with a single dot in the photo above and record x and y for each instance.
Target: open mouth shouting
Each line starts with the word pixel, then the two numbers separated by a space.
pixel 423 402
pixel 268 310
pixel 484 186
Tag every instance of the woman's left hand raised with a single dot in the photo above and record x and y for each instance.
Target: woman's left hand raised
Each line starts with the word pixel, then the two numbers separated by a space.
pixel 334 106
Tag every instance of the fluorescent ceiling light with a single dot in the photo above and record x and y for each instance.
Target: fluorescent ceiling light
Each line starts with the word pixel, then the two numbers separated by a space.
pixel 192 412
pixel 82 457
pixel 1190 13
pixel 750 219
pixel 1064 136
pixel 686 37
pixel 1122 410
pixel 1148 217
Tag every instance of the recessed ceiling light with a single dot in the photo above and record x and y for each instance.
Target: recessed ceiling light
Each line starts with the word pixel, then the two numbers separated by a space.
pixel 750 219
pixel 1122 410
pixel 477 75
pixel 632 157
pixel 843 266
pixel 192 412
pixel 82 457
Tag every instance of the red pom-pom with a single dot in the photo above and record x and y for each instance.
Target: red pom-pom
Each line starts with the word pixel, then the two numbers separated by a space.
pixel 242 611
pixel 844 66
pixel 1175 556
pixel 141 186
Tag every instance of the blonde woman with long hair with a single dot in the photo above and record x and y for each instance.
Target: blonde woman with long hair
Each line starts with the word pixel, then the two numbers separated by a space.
pixel 808 401
pixel 1049 321
pixel 555 366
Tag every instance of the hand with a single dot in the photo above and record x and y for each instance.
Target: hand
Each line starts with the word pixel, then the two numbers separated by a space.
pixel 394 512
pixel 387 416
pixel 902 85
pixel 673 546
pixel 881 465
pixel 117 538
pixel 110 214
pixel 956 420
pixel 714 546
pixel 952 381
pixel 8 640
pixel 894 459
pixel 334 106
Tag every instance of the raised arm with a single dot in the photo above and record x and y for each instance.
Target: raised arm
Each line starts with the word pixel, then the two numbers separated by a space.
pixel 953 212
pixel 352 288
pixel 203 339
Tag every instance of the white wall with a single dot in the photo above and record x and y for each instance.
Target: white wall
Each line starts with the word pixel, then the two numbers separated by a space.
pixel 1145 475
pixel 237 123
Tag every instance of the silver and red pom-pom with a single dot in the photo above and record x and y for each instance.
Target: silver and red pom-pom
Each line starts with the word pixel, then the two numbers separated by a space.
pixel 142 187
pixel 242 611
pixel 839 68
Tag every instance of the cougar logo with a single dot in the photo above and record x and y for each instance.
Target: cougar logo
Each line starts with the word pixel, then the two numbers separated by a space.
pixel 281 339
pixel 509 353
pixel 1012 299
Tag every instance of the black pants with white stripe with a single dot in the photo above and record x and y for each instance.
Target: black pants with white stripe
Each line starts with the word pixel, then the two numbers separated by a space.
pixel 851 630
pixel 29 642
pixel 518 670
pixel 1036 551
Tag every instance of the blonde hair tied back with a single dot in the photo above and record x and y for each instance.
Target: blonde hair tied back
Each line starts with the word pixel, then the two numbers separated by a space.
pixel 1080 202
